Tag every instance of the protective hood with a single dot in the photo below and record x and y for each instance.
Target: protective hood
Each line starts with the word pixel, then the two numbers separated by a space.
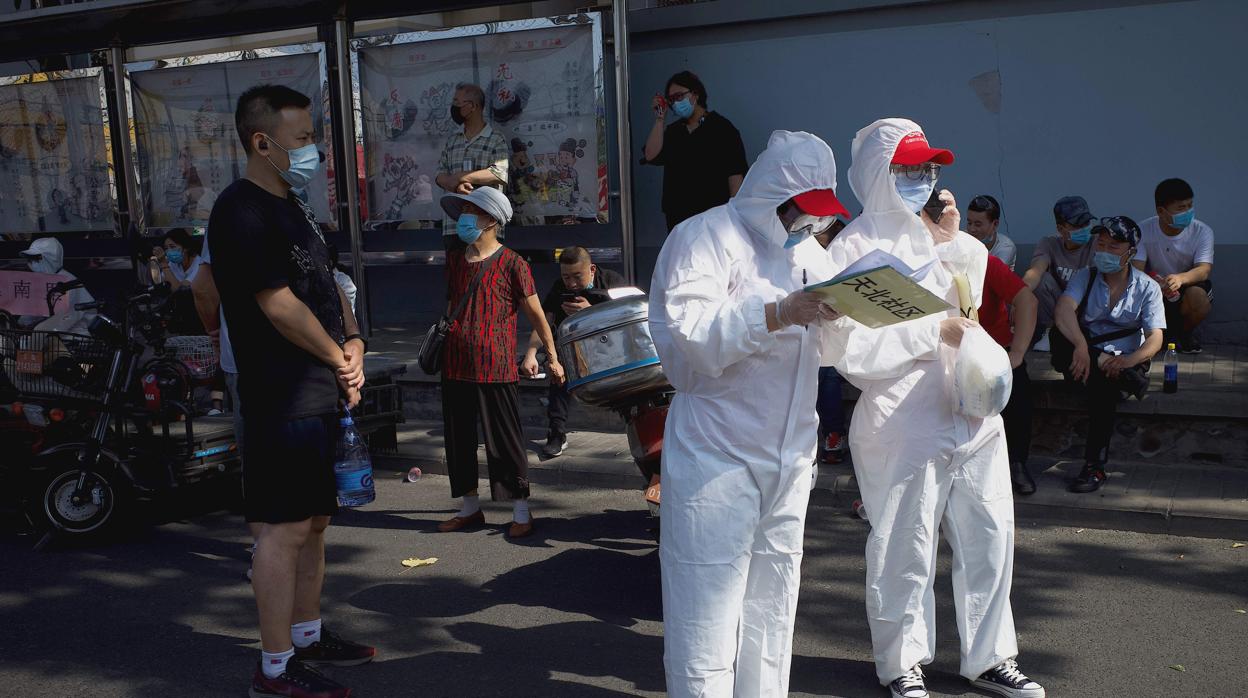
pixel 50 250
pixel 793 163
pixel 885 223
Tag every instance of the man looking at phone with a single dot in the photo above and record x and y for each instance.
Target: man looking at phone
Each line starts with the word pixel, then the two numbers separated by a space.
pixel 580 285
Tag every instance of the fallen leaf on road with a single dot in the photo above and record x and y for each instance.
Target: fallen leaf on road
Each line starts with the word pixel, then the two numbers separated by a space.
pixel 1240 610
pixel 1238 545
pixel 1178 667
pixel 417 562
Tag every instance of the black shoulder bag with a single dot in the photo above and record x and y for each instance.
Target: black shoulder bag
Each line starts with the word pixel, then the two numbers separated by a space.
pixel 1134 380
pixel 430 356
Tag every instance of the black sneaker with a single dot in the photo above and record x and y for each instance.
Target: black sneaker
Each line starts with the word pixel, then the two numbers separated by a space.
pixel 1022 480
pixel 335 651
pixel 556 442
pixel 1090 479
pixel 298 681
pixel 909 685
pixel 1190 346
pixel 1005 679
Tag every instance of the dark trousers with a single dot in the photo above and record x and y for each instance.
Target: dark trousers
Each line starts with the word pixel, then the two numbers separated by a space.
pixel 497 408
pixel 558 400
pixel 1102 395
pixel 1017 416
pixel 828 403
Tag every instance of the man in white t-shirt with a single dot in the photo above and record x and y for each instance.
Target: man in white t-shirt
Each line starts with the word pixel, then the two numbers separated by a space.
pixel 1177 251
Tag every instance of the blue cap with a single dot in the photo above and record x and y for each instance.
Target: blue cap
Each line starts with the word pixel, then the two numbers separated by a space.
pixel 1073 210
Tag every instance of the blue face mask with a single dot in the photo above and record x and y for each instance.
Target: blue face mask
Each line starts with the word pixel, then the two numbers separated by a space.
pixel 1107 262
pixel 466 228
pixel 305 162
pixel 683 108
pixel 1182 220
pixel 1082 235
pixel 174 256
pixel 915 194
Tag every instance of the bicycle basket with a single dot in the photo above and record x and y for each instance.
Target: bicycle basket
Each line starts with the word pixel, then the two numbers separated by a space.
pixel 54 365
pixel 195 352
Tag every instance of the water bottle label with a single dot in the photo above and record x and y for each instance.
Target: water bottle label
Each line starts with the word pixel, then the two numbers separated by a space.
pixel 354 480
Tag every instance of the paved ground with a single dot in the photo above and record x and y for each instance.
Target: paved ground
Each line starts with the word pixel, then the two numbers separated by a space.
pixel 575 611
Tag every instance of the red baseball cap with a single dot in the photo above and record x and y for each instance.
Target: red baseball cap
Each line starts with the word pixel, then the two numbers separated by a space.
pixel 820 202
pixel 914 150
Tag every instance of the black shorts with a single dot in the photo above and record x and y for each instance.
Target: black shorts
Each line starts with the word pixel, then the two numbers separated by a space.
pixel 1205 285
pixel 289 471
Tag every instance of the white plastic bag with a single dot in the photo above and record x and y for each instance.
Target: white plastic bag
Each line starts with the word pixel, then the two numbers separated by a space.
pixel 982 376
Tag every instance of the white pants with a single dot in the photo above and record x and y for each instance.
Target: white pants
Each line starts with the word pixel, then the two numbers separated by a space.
pixel 969 498
pixel 731 552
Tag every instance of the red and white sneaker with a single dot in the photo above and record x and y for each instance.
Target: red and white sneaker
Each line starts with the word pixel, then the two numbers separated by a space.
pixel 832 450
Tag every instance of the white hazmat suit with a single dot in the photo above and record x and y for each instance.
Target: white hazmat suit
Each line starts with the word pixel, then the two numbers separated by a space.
pixel 919 465
pixel 740 435
pixel 48 257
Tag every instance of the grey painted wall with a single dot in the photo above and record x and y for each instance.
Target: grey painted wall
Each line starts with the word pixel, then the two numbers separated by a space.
pixel 1036 104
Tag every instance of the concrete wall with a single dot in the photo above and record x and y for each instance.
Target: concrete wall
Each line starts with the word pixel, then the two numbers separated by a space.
pixel 1037 100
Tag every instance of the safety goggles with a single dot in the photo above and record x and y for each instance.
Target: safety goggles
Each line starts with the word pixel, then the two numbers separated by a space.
pixel 816 224
pixel 916 173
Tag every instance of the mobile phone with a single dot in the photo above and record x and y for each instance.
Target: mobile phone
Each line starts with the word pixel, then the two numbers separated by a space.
pixel 569 296
pixel 935 207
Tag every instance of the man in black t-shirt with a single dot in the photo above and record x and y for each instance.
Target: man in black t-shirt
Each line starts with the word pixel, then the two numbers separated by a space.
pixel 701 153
pixel 298 352
pixel 580 284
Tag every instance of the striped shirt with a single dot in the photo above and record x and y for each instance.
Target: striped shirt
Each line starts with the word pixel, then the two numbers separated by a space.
pixel 486 151
pixel 481 344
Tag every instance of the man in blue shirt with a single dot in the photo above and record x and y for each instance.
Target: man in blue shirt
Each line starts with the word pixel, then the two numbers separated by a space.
pixel 1115 327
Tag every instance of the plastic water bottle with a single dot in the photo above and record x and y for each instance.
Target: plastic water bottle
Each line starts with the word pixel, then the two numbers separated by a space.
pixel 353 469
pixel 1171 384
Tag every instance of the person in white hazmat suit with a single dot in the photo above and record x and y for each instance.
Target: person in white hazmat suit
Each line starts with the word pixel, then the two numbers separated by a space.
pixel 47 256
pixel 729 319
pixel 919 465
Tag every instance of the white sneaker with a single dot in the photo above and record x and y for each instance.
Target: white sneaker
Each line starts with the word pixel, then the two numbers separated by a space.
pixel 1043 344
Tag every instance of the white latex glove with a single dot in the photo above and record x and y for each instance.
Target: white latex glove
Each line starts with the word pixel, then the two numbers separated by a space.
pixel 951 329
pixel 803 308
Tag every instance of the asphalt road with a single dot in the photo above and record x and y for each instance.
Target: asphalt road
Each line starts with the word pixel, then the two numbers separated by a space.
pixel 575 610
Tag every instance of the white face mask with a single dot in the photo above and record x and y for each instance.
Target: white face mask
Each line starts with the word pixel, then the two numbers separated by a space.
pixel 42 266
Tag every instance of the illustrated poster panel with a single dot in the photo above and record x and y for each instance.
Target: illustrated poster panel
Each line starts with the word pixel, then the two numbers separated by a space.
pixel 405 93
pixel 540 85
pixel 53 157
pixel 540 94
pixel 188 148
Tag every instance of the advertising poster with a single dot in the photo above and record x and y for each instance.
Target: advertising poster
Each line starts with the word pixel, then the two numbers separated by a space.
pixel 543 95
pixel 188 150
pixel 54 174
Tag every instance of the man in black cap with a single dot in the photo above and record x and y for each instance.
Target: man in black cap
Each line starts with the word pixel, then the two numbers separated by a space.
pixel 1113 316
pixel 1057 258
